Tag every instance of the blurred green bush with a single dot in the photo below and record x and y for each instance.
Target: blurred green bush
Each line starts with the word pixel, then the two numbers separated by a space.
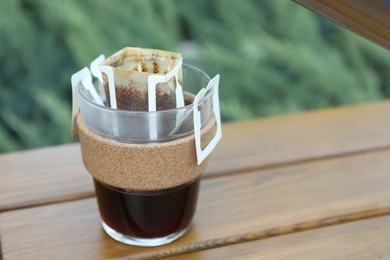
pixel 273 56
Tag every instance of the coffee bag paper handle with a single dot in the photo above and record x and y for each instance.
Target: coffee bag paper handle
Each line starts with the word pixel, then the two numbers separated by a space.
pixel 111 84
pixel 87 84
pixel 153 80
pixel 94 67
pixel 179 89
pixel 214 87
pixel 111 89
pixel 95 71
pixel 84 78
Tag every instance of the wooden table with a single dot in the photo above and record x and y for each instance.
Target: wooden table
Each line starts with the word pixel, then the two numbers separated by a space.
pixel 314 185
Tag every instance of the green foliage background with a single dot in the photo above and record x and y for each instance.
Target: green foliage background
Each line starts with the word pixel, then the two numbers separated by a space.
pixel 274 57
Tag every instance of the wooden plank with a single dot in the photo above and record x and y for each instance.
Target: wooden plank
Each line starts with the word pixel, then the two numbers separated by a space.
pixel 195 247
pixel 42 176
pixel 229 205
pixel 55 174
pixel 366 239
pixel 367 18
pixel 300 137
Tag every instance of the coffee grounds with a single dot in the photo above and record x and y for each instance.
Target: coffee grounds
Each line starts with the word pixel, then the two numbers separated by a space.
pixel 132 68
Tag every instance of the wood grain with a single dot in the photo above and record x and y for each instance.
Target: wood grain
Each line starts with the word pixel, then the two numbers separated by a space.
pixel 229 205
pixel 41 176
pixel 366 239
pixel 367 18
pixel 50 175
pixel 281 140
pixel 256 235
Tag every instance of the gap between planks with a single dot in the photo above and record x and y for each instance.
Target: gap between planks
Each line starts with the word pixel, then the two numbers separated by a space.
pixel 261 234
pixel 1 249
pixel 45 202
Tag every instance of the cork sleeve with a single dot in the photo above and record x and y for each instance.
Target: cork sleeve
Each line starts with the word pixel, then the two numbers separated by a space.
pixel 142 167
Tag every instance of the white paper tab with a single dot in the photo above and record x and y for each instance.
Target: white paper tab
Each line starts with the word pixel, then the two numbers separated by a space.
pixel 155 79
pixel 87 84
pixel 95 71
pixel 76 80
pixel 214 87
pixel 179 89
pixel 111 84
pixel 94 67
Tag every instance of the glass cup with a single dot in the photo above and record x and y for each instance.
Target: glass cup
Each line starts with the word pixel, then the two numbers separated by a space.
pixel 153 214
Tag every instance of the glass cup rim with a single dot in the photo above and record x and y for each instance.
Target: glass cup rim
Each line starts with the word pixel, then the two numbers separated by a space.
pixel 143 113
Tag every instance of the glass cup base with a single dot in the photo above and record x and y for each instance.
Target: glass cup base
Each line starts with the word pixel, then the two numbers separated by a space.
pixel 136 241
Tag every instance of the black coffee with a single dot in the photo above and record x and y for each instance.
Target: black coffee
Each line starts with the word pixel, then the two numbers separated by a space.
pixel 147 214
